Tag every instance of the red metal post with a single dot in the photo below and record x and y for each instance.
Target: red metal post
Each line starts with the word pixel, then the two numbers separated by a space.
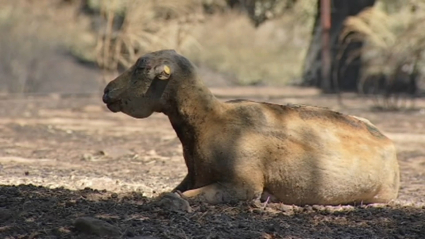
pixel 325 19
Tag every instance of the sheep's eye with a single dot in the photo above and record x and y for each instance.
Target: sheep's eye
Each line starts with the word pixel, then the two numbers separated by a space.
pixel 140 66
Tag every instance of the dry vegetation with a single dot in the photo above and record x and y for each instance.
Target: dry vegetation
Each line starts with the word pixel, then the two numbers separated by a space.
pixel 394 41
pixel 118 31
pixel 270 54
pixel 391 36
pixel 226 42
pixel 146 27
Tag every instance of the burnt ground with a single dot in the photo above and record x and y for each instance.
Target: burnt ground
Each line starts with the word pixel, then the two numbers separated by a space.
pixel 63 159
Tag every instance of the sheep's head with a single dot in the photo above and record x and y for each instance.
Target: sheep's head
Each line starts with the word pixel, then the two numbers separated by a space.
pixel 139 91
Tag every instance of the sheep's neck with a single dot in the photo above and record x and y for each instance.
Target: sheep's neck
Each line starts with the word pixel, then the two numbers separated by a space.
pixel 188 111
pixel 191 104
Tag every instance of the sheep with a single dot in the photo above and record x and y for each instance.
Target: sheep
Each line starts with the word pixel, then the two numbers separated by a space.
pixel 243 150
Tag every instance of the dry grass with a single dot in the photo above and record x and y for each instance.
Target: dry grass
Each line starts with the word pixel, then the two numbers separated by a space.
pixel 393 50
pixel 272 54
pixel 392 37
pixel 146 27
pixel 227 43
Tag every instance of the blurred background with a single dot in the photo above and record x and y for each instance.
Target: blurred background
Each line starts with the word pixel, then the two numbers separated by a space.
pixel 358 57
pixel 75 46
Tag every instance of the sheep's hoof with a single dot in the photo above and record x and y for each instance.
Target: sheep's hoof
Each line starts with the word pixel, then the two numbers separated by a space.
pixel 173 202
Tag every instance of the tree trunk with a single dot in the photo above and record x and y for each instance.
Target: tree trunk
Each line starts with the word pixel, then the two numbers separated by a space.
pixel 345 71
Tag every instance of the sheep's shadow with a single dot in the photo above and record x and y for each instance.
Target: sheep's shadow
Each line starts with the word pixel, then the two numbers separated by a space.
pixel 37 212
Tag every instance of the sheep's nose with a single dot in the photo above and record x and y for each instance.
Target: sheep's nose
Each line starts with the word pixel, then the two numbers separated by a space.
pixel 106 98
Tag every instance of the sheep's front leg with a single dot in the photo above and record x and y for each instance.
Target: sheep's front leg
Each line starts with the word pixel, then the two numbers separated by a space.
pixel 223 193
pixel 184 185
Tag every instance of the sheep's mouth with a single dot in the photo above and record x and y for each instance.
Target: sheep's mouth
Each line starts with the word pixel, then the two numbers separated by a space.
pixel 114 106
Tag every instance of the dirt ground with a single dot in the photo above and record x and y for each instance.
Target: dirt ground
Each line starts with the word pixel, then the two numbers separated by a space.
pixel 65 161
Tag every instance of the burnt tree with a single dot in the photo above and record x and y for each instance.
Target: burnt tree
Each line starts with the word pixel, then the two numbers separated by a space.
pixel 345 72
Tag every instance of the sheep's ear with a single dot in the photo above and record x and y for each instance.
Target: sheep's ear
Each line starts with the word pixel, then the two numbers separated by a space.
pixel 165 73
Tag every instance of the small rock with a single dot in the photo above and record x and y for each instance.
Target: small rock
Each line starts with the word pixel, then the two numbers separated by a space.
pixel 308 208
pixel 256 204
pixel 297 209
pixel 5 214
pixel 318 207
pixel 95 226
pixel 115 152
pixel 329 209
pixel 286 208
pixel 173 202
pixel 87 157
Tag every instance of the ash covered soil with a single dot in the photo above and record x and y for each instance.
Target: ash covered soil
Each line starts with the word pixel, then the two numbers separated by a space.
pixel 71 169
